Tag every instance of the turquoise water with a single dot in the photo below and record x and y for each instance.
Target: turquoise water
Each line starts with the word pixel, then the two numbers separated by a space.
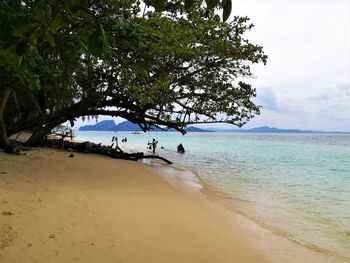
pixel 297 185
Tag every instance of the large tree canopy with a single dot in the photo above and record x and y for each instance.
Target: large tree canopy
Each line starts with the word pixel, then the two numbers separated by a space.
pixel 62 60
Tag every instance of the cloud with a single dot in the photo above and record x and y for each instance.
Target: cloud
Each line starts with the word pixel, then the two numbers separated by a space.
pixel 271 99
pixel 328 109
pixel 334 104
pixel 267 99
pixel 308 47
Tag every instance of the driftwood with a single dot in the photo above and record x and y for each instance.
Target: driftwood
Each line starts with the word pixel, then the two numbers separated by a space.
pixel 89 147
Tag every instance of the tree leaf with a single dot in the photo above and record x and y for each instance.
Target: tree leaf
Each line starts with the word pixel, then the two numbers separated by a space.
pixel 34 82
pixel 95 44
pixel 50 39
pixel 227 6
pixel 19 63
pixel 189 4
pixel 159 5
pixel 57 22
pixel 104 38
pixel 21 48
pixel 103 33
pixel 47 10
pixel 211 3
pixel 23 30
pixel 40 15
pixel 76 5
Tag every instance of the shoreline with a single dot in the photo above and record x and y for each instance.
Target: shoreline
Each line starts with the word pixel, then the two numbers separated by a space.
pixel 216 195
pixel 92 209
pixel 231 203
pixel 90 200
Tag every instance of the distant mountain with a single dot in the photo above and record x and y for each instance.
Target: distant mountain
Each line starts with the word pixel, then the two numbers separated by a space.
pixel 188 129
pixel 109 125
pixel 195 129
pixel 272 129
pixel 267 129
pixel 127 126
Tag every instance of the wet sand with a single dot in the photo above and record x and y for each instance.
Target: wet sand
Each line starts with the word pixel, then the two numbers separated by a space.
pixel 97 209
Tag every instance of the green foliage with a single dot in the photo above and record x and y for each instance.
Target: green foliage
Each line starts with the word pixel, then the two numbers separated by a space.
pixel 159 5
pixel 211 3
pixel 226 9
pixel 189 4
pixel 66 59
pixel 77 5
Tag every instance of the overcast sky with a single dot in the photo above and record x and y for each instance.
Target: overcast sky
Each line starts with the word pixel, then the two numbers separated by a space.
pixel 306 82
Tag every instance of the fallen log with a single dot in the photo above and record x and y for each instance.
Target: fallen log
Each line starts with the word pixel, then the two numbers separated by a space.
pixel 156 157
pixel 89 147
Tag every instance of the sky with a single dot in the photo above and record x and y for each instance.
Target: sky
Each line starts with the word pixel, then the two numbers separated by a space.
pixel 306 82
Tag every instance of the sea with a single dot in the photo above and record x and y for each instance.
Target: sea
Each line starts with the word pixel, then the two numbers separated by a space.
pixel 296 185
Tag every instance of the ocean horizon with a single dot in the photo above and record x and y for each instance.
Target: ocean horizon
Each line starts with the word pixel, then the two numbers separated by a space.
pixel 296 185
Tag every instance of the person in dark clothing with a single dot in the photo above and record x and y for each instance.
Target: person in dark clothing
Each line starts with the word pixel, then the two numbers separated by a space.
pixel 153 145
pixel 114 139
pixel 180 148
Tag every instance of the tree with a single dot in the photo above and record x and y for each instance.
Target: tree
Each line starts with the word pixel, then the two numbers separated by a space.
pixel 189 5
pixel 40 44
pixel 166 69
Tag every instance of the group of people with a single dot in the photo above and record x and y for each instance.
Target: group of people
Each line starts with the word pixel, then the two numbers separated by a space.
pixel 115 142
pixel 153 145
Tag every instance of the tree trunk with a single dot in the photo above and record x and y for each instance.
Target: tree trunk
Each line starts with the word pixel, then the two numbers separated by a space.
pixel 39 133
pixel 89 147
pixel 53 121
pixel 4 140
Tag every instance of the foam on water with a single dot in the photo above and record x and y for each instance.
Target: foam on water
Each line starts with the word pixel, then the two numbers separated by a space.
pixel 297 185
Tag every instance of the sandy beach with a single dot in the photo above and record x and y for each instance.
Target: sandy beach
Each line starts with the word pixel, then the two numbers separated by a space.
pixel 97 209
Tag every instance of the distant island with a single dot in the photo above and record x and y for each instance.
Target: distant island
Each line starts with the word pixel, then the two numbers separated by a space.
pixel 109 125
pixel 267 129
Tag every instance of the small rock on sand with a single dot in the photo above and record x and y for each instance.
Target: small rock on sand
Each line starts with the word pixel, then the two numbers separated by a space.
pixel 71 155
pixel 52 236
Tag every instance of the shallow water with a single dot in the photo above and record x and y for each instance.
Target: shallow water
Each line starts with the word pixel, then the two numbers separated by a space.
pixel 297 185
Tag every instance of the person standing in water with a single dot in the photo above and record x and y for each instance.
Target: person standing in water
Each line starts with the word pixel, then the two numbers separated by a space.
pixel 153 145
pixel 180 148
pixel 114 139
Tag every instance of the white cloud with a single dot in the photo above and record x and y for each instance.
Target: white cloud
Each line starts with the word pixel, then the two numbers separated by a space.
pixel 267 99
pixel 334 104
pixel 308 43
pixel 326 110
